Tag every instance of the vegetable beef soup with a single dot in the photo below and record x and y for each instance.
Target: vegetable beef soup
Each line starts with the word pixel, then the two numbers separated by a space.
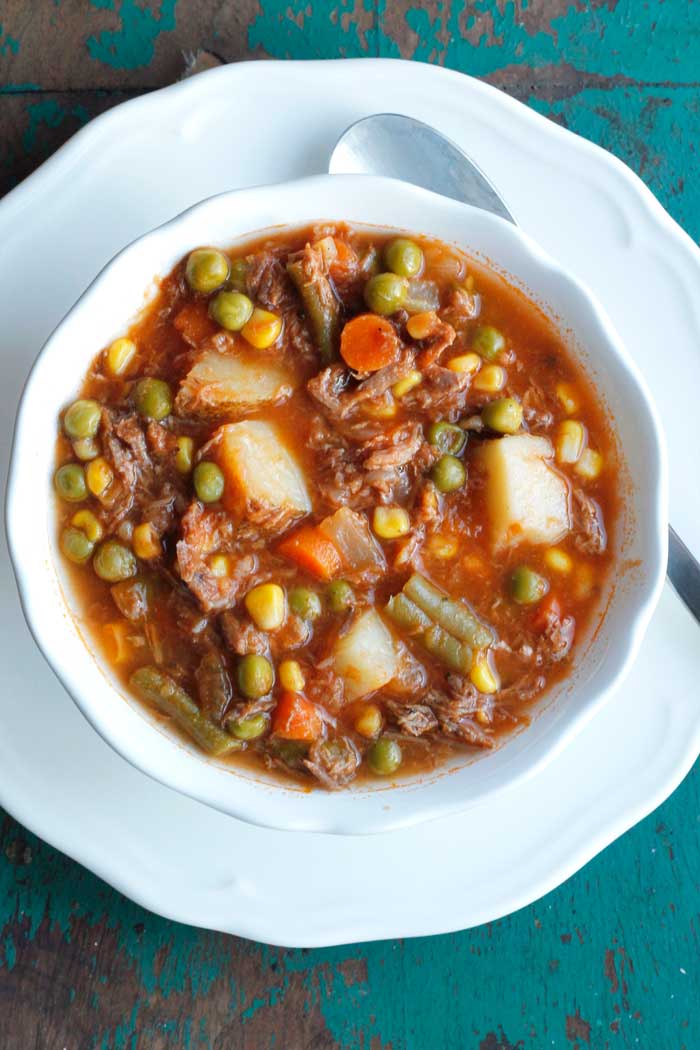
pixel 339 504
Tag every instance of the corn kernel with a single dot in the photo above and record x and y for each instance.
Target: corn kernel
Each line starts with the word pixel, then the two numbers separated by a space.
pixel 483 676
pixel 219 565
pixel 569 442
pixel 442 546
pixel 291 676
pixel 184 455
pixel 411 380
pixel 146 542
pixel 470 283
pixel 263 329
pixel 99 476
pixel 86 521
pixel 390 522
pixel 558 560
pixel 482 716
pixel 589 465
pixel 420 326
pixel 567 395
pixel 465 363
pixel 116 638
pixel 369 721
pixel 583 582
pixel 266 606
pixel 490 379
pixel 385 409
pixel 120 356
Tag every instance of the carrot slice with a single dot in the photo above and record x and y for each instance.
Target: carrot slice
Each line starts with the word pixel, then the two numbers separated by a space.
pixel 296 718
pixel 368 343
pixel 313 551
pixel 194 323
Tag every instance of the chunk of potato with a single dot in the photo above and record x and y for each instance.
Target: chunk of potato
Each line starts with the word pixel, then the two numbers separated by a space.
pixel 366 657
pixel 233 380
pixel 263 481
pixel 527 500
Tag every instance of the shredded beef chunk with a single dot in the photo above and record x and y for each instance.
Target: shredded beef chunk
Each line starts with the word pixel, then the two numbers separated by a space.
pixel 333 762
pixel 206 532
pixel 590 537
pixel 345 537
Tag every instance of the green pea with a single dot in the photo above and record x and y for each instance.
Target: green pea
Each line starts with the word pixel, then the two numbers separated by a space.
pixel 527 586
pixel 237 280
pixel 384 756
pixel 231 310
pixel 505 415
pixel 82 419
pixel 206 270
pixel 70 482
pixel 153 398
pixel 305 603
pixel 86 449
pixel 208 482
pixel 403 257
pixel 448 474
pixel 385 293
pixel 249 728
pixel 448 437
pixel 76 546
pixel 256 676
pixel 340 596
pixel 114 562
pixel 488 342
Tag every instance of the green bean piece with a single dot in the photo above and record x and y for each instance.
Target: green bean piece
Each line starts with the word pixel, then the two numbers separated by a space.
pixel 448 474
pixel 208 482
pixel 231 310
pixel 407 615
pixel 82 419
pixel 448 437
pixel 206 270
pixel 86 449
pixel 305 603
pixel 403 257
pixel 321 307
pixel 450 651
pixel 385 293
pixel 165 694
pixel 213 685
pixel 70 484
pixel 340 596
pixel 455 616
pixel 76 546
pixel 504 415
pixel 384 756
pixel 527 586
pixel 291 752
pixel 238 277
pixel 114 562
pixel 256 676
pixel 250 728
pixel 153 398
pixel 488 342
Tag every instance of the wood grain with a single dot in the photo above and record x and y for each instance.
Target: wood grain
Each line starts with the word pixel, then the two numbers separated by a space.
pixel 609 960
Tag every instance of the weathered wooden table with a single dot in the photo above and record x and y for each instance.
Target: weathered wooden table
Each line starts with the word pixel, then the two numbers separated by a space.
pixel 611 959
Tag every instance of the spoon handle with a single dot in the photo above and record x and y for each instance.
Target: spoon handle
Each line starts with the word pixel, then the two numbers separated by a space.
pixel 684 572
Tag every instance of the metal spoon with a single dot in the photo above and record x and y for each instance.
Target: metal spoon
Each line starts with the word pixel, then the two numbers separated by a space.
pixel 404 148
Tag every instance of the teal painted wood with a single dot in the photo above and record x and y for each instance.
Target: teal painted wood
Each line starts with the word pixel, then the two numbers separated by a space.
pixel 609 960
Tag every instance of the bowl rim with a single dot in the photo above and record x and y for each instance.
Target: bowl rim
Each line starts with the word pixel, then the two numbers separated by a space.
pixel 39 619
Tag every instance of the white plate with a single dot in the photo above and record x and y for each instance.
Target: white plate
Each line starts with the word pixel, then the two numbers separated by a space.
pixel 147 160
